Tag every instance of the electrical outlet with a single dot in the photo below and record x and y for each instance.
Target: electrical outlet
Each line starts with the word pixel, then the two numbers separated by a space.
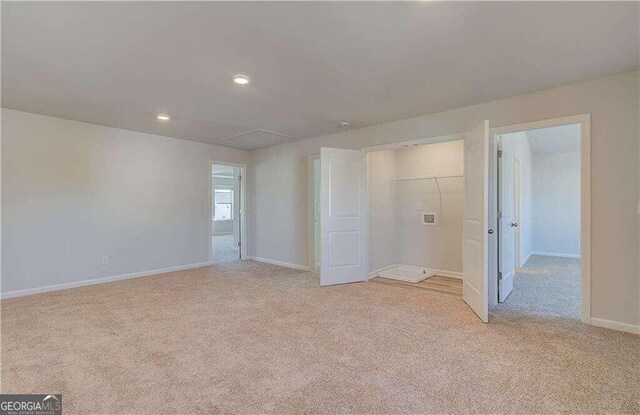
pixel 419 206
pixel 105 260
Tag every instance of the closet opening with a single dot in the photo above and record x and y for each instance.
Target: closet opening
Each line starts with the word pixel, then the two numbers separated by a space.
pixel 415 213
pixel 227 215
pixel 415 205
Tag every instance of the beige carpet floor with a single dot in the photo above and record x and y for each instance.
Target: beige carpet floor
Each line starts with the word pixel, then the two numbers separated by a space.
pixel 249 338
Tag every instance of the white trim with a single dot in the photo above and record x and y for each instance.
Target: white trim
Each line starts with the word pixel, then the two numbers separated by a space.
pixel 555 254
pixel 526 259
pixel 615 325
pixel 84 283
pixel 439 272
pixel 585 195
pixel 279 263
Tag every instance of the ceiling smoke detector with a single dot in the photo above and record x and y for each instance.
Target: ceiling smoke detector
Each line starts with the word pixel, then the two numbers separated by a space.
pixel 344 124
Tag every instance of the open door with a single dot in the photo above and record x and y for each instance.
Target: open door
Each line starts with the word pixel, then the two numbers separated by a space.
pixel 506 224
pixel 342 216
pixel 476 219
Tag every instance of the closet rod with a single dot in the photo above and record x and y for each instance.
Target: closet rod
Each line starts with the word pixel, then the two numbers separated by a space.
pixel 426 178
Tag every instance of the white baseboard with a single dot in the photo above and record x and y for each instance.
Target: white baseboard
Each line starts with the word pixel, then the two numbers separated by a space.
pixel 441 272
pixel 75 284
pixel 524 261
pixel 556 254
pixel 615 325
pixel 280 263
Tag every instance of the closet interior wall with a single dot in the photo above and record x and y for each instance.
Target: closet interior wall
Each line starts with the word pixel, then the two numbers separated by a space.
pixel 396 233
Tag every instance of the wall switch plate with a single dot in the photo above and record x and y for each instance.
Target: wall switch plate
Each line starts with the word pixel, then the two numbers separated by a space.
pixel 105 260
pixel 419 206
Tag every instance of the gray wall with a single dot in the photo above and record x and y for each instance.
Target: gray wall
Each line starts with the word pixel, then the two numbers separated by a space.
pixel 396 233
pixel 74 192
pixel 278 179
pixel 439 246
pixel 556 203
pixel 383 251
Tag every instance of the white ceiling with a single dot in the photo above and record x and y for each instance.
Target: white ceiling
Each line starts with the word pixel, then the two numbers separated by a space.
pixel 562 139
pixel 312 64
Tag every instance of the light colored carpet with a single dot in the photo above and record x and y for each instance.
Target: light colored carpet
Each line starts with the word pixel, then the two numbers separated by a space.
pixel 243 337
pixel 224 248
pixel 547 287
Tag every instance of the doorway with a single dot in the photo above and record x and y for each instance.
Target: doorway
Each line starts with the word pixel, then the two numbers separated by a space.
pixel 226 213
pixel 539 209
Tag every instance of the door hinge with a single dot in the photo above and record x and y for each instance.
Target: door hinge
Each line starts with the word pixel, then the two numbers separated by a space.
pixel 239 177
pixel 499 214
pixel 499 153
pixel 239 244
pixel 499 275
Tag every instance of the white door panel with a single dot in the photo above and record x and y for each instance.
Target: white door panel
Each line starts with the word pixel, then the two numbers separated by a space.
pixel 506 224
pixel 476 199
pixel 342 213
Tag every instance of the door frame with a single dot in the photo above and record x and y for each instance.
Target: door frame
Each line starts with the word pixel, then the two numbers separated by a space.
pixel 243 207
pixel 310 211
pixel 584 120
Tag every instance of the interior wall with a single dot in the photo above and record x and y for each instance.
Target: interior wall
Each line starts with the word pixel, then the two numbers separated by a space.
pixel 556 203
pixel 382 227
pixel 439 246
pixel 518 144
pixel 278 185
pixel 73 193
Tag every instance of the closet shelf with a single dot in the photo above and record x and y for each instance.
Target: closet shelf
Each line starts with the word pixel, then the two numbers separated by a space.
pixel 402 179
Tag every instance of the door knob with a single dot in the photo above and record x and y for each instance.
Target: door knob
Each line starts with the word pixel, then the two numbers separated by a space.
pixel 490 231
pixel 514 224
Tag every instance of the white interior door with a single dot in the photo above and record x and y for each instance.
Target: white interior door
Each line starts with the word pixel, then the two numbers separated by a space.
pixel 506 224
pixel 475 227
pixel 343 216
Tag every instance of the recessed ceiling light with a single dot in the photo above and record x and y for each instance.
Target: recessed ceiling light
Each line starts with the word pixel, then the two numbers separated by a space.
pixel 241 79
pixel 344 124
pixel 163 117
